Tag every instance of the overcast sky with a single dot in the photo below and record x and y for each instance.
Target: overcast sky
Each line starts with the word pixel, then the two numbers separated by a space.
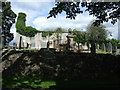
pixel 38 10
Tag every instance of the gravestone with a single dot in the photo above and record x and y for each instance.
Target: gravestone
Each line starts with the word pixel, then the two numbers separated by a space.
pixel 103 47
pixel 85 47
pixel 89 46
pixel 110 47
pixel 97 47
pixel 114 48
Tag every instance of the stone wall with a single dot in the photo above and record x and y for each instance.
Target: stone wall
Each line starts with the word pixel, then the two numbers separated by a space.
pixel 63 65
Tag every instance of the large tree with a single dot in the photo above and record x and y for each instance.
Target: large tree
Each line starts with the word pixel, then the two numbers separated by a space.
pixel 96 34
pixel 8 19
pixel 103 11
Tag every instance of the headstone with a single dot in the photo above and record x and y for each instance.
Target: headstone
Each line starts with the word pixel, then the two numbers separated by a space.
pixel 114 48
pixel 110 47
pixel 118 51
pixel 97 47
pixel 89 46
pixel 85 47
pixel 103 47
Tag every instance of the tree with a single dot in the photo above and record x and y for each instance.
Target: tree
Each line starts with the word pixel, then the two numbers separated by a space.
pixel 114 42
pixel 46 33
pixel 8 19
pixel 80 37
pixel 104 11
pixel 20 24
pixel 22 28
pixel 59 30
pixel 96 34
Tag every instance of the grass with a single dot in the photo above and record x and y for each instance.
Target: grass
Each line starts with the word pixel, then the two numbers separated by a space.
pixel 34 82
pixel 102 52
pixel 39 82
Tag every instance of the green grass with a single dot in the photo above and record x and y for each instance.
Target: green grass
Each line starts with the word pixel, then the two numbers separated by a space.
pixel 39 82
pixel 102 52
pixel 27 82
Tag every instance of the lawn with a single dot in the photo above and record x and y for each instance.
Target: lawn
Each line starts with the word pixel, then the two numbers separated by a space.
pixel 102 52
pixel 39 82
pixel 29 81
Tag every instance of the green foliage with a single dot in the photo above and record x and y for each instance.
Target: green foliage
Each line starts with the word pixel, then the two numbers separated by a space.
pixel 60 30
pixel 102 52
pixel 114 42
pixel 80 36
pixel 22 28
pixel 8 18
pixel 46 33
pixel 57 35
pixel 118 46
pixel 104 11
pixel 30 31
pixel 27 81
pixel 68 7
pixel 38 82
pixel 96 33
pixel 20 24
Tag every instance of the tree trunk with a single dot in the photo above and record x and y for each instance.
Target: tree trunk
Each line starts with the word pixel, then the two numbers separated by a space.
pixel 93 48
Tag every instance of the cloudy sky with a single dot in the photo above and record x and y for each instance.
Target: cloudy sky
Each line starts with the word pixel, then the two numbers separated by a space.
pixel 38 10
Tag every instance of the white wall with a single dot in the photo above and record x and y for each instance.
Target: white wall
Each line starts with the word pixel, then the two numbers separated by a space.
pixel 38 41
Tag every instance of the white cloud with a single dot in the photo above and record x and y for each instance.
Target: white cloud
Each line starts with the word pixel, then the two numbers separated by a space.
pixel 80 22
pixel 37 12
pixel 32 9
pixel 112 28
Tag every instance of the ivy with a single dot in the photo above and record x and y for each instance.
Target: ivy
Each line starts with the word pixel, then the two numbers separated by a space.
pixel 30 31
pixel 46 33
pixel 21 27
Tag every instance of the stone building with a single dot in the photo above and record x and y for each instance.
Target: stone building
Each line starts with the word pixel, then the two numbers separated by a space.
pixel 38 42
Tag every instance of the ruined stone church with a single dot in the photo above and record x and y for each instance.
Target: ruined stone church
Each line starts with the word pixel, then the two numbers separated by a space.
pixel 37 42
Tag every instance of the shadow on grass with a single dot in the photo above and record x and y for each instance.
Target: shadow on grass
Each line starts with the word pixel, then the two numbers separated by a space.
pixel 38 82
pixel 37 70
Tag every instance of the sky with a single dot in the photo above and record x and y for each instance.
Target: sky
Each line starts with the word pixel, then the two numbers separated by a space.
pixel 38 10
